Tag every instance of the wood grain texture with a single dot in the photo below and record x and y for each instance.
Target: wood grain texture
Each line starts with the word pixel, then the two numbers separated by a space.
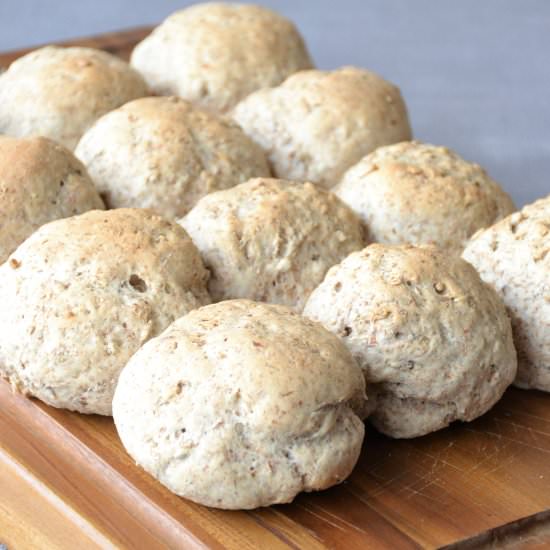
pixel 66 482
pixel 30 515
pixel 423 493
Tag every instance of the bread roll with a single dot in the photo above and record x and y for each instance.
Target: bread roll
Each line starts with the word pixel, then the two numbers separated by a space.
pixel 417 193
pixel 513 256
pixel 434 341
pixel 163 154
pixel 40 181
pixel 240 405
pixel 82 294
pixel 215 54
pixel 59 92
pixel 271 240
pixel 316 124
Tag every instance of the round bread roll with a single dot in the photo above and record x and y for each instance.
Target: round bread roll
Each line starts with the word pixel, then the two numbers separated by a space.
pixel 40 181
pixel 417 193
pixel 216 54
pixel 431 337
pixel 271 240
pixel 317 124
pixel 513 256
pixel 161 153
pixel 240 405
pixel 82 294
pixel 59 92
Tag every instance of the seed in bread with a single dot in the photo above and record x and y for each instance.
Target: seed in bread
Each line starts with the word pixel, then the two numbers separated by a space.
pixel 316 124
pixel 271 240
pixel 40 181
pixel 215 54
pixel 241 404
pixel 513 256
pixel 82 294
pixel 164 154
pixel 434 341
pixel 59 92
pixel 417 193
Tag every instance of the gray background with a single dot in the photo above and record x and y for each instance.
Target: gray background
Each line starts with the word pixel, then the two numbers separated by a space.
pixel 475 73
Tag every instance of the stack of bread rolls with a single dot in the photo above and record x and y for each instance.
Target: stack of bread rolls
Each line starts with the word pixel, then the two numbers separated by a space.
pixel 242 258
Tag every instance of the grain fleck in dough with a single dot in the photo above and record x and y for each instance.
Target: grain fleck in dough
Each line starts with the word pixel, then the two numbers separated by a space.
pixel 82 294
pixel 271 240
pixel 215 54
pixel 241 405
pixel 434 341
pixel 513 256
pixel 164 154
pixel 59 92
pixel 418 193
pixel 40 181
pixel 317 124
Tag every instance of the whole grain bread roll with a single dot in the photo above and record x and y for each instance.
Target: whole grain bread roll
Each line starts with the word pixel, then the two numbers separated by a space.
pixel 240 405
pixel 513 256
pixel 271 240
pixel 164 154
pixel 434 341
pixel 215 54
pixel 59 92
pixel 40 181
pixel 417 193
pixel 82 294
pixel 316 124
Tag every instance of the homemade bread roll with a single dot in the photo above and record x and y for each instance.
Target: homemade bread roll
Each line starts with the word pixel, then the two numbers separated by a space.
pixel 216 54
pixel 82 294
pixel 434 341
pixel 59 92
pixel 271 240
pixel 240 405
pixel 513 256
pixel 417 193
pixel 40 181
pixel 317 123
pixel 164 154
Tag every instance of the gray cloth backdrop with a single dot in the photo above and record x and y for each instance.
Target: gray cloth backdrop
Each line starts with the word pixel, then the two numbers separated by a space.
pixel 475 73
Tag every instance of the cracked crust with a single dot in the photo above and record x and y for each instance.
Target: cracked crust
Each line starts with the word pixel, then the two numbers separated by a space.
pixel 417 193
pixel 271 240
pixel 82 294
pixel 216 54
pixel 434 341
pixel 59 92
pixel 513 256
pixel 240 404
pixel 40 181
pixel 164 154
pixel 317 124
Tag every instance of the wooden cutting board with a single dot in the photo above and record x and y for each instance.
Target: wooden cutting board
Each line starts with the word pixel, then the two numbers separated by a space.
pixel 66 482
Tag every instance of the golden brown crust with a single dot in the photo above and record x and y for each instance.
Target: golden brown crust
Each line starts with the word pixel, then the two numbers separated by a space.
pixel 40 181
